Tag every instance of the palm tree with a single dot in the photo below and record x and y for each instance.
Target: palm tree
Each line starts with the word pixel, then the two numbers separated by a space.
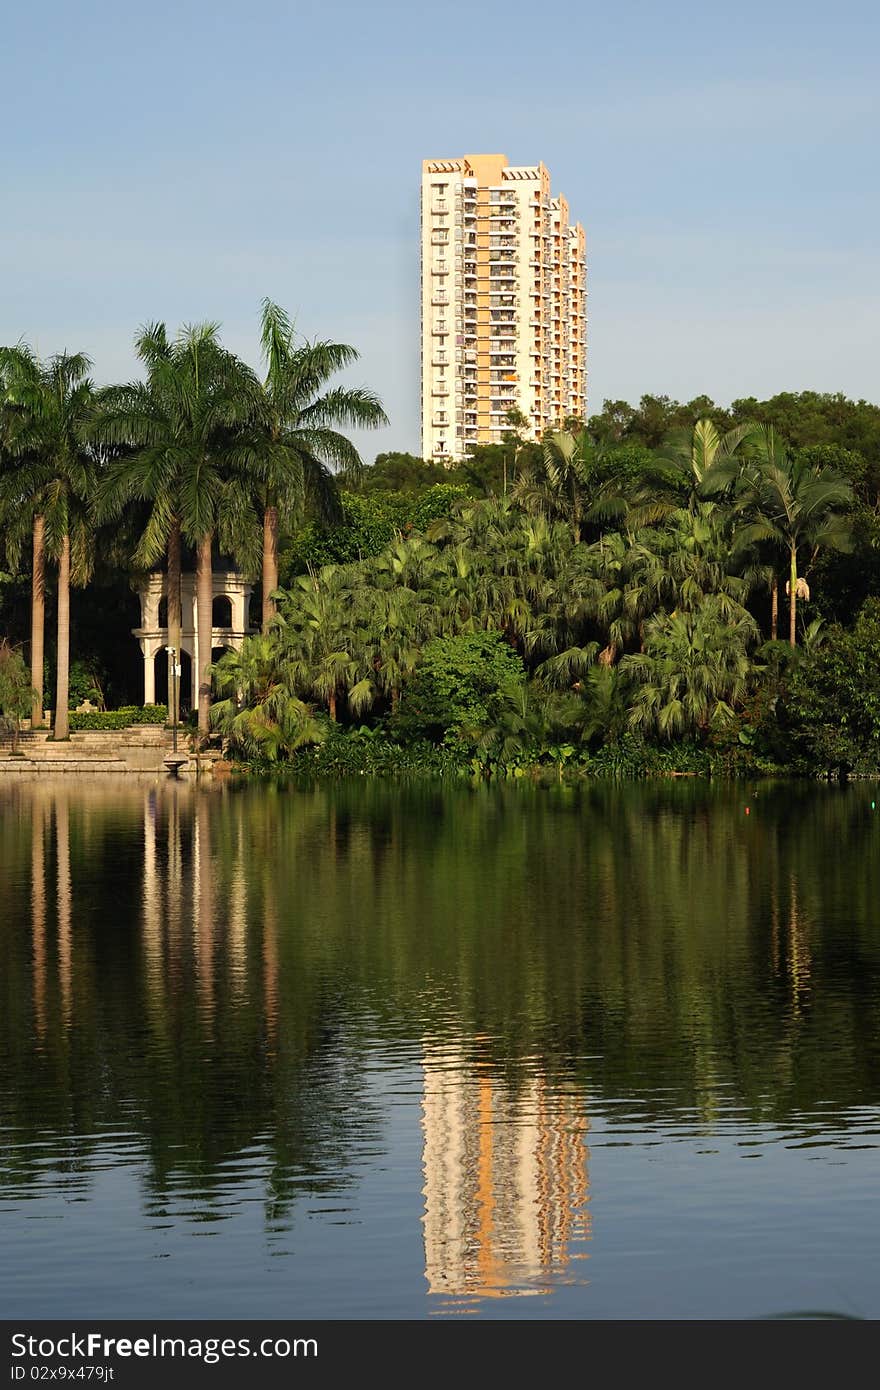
pixel 793 505
pixel 393 627
pixel 323 651
pixel 695 668
pixel 566 482
pixel 294 444
pixel 258 712
pixel 184 426
pixel 687 457
pixel 48 409
pixel 16 695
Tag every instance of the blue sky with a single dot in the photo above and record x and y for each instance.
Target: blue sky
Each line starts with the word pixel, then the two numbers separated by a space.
pixel 182 159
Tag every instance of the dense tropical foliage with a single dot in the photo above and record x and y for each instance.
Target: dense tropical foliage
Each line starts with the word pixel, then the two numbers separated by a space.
pixel 605 598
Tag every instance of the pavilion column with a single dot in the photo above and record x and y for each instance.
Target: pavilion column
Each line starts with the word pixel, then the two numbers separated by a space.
pixel 149 679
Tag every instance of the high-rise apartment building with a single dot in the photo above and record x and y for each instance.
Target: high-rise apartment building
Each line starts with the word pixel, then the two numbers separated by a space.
pixel 504 322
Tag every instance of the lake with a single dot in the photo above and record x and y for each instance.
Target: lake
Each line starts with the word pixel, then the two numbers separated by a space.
pixel 384 1050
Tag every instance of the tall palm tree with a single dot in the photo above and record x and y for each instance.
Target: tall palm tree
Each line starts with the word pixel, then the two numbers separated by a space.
pixel 794 505
pixel 48 407
pixel 294 445
pixel 184 426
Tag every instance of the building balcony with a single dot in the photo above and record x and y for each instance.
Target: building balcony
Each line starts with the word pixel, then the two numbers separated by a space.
pixel 440 268
pixel 438 297
pixel 439 207
pixel 439 330
pixel 439 238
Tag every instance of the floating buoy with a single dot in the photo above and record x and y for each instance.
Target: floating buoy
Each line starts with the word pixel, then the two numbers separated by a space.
pixel 748 809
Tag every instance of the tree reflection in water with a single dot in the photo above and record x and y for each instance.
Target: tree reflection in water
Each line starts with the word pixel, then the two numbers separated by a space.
pixel 211 979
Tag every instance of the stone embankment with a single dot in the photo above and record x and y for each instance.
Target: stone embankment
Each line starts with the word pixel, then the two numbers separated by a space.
pixel 140 748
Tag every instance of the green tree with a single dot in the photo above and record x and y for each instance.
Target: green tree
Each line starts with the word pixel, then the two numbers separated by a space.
pixel 322 648
pixel 830 703
pixel 461 686
pixel 687 457
pixel 566 483
pixel 694 671
pixel 183 427
pixel 793 505
pixel 399 472
pixel 16 693
pixel 295 444
pixel 48 409
pixel 257 712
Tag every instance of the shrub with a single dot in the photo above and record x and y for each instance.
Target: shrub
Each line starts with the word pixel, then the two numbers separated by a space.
pixel 831 704
pixel 372 752
pixel 461 684
pixel 120 718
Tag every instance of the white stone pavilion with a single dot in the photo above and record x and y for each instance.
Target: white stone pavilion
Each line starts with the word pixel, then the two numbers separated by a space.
pixel 230 626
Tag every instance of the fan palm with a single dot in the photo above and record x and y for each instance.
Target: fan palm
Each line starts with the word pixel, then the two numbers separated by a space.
pixel 258 713
pixel 322 648
pixel 695 668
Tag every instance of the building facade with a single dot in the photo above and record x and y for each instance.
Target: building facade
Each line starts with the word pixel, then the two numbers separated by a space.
pixel 504 322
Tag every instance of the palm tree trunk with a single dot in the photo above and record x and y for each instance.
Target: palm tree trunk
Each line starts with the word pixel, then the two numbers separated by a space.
pixel 174 619
pixel 62 662
pixel 792 599
pixel 774 608
pixel 204 600
pixel 38 620
pixel 331 705
pixel 270 562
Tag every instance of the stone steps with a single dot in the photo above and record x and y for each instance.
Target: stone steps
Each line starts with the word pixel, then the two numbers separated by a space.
pixel 138 748
pixel 58 765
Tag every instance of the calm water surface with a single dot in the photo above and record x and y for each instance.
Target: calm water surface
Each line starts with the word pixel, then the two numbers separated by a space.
pixel 400 1051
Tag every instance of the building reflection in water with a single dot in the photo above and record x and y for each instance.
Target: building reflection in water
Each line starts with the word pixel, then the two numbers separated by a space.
pixel 506 1182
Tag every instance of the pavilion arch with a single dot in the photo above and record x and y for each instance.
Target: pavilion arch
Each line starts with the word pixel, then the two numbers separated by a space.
pixel 221 611
pixel 160 679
